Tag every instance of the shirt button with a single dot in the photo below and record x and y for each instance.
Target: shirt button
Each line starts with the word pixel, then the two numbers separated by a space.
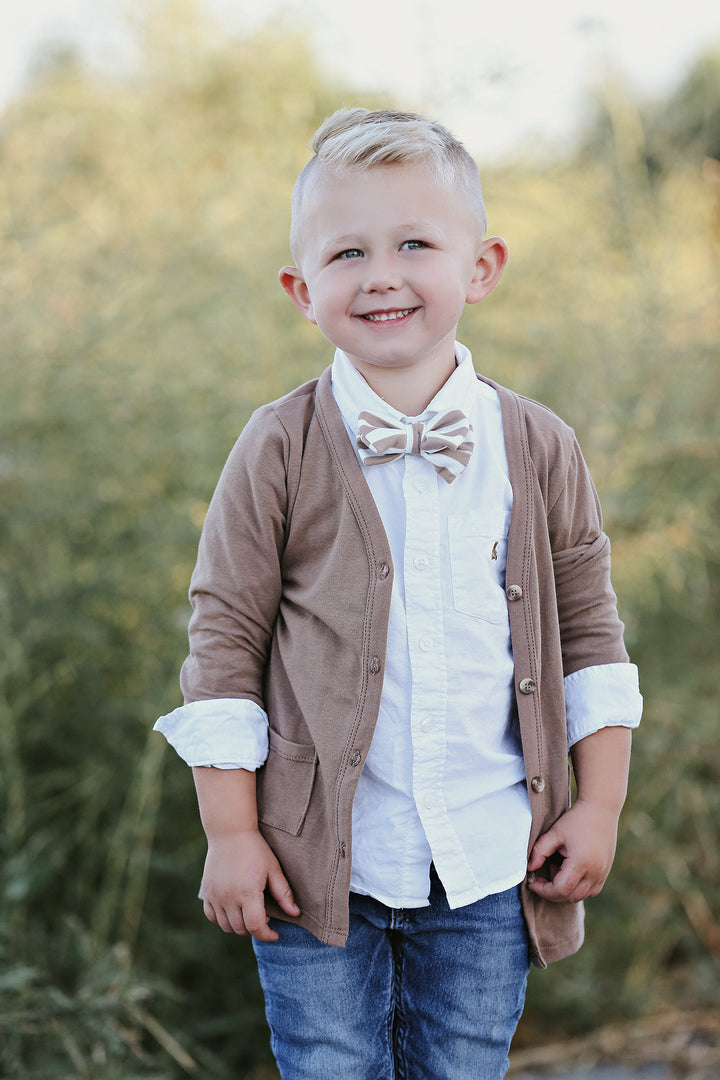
pixel 374 665
pixel 514 592
pixel 426 724
pixel 428 801
pixel 425 644
pixel 383 571
pixel 527 686
pixel 538 784
pixel 419 486
pixel 421 562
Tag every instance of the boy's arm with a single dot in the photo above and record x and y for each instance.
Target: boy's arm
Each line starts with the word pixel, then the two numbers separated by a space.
pixel 236 586
pixel 584 838
pixel 576 854
pixel 240 865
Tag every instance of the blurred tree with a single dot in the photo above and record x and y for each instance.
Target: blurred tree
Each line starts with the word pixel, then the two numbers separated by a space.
pixel 672 133
pixel 686 128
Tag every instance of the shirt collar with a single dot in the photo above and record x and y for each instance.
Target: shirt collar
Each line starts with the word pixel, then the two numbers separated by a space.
pixel 354 395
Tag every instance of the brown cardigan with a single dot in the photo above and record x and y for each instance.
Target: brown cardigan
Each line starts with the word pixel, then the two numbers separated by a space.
pixel 291 597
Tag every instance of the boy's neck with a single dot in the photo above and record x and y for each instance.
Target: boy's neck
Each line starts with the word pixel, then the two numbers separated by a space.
pixel 409 390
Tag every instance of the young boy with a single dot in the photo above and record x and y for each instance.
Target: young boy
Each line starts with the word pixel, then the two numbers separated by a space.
pixel 403 620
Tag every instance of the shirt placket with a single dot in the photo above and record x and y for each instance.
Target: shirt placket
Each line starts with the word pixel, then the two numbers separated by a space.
pixel 426 644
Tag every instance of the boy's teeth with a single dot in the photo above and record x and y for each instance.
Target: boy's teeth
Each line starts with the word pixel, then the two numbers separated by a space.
pixel 385 316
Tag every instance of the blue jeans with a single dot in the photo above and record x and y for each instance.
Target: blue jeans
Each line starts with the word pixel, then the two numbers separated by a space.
pixel 416 994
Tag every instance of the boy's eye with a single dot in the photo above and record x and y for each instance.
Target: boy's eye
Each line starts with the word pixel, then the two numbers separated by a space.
pixel 414 245
pixel 349 253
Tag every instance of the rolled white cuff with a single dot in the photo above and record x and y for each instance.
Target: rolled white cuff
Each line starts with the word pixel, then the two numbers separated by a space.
pixel 607 695
pixel 228 733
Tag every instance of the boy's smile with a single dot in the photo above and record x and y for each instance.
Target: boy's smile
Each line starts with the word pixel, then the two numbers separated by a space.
pixel 386 316
pixel 388 258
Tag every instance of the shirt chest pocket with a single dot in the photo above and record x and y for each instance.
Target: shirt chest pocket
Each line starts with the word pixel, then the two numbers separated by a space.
pixel 478 557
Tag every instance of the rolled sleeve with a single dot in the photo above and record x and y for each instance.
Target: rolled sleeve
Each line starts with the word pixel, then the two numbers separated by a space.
pixel 607 695
pixel 227 733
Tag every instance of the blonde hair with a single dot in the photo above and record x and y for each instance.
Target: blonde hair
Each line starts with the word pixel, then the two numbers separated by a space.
pixel 364 139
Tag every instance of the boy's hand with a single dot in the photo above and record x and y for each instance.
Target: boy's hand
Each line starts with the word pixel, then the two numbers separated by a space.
pixel 577 853
pixel 238 870
pixel 240 864
pixel 581 848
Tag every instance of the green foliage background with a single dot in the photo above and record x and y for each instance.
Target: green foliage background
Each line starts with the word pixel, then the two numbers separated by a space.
pixel 142 223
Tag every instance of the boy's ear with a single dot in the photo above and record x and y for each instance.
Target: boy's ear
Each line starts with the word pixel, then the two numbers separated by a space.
pixel 490 263
pixel 294 285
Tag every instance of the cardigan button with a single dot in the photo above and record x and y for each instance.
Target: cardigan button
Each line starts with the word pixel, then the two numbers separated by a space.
pixel 514 592
pixel 356 758
pixel 537 784
pixel 527 686
pixel 374 665
pixel 383 571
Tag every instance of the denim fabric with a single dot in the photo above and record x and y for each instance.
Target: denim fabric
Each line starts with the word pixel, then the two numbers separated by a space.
pixel 416 994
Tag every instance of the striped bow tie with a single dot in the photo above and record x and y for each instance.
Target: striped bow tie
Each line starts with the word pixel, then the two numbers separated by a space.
pixel 444 440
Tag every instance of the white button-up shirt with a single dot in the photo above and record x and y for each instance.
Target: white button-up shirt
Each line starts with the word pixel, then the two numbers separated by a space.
pixel 444 780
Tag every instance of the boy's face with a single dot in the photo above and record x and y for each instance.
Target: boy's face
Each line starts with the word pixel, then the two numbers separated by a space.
pixel 388 258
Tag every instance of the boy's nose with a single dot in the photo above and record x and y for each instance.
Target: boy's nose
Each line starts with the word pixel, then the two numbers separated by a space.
pixel 382 275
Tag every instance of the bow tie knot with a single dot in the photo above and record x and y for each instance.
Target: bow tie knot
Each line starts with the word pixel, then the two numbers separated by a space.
pixel 444 440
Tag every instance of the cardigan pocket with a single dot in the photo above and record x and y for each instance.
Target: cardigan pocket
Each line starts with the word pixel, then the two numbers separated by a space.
pixel 478 556
pixel 285 783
